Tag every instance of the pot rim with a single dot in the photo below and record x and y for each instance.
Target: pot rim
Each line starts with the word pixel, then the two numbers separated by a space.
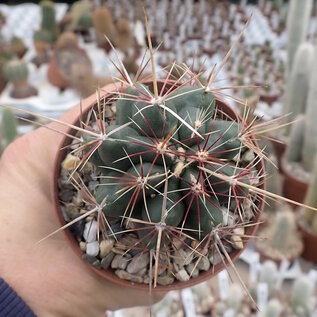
pixel 109 274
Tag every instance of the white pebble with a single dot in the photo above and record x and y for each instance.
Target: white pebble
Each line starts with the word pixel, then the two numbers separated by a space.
pixel 90 231
pixel 92 248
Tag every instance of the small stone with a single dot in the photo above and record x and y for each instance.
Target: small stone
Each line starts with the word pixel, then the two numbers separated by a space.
pixel 92 185
pixel 183 258
pixel 82 246
pixel 119 262
pixel 92 248
pixel 237 242
pixel 113 109
pixel 118 251
pixel 165 280
pixel 215 259
pixel 90 231
pixel 106 247
pixel 146 279
pixel 66 195
pixel 192 270
pixel 108 113
pixel 182 275
pixel 138 263
pixel 130 277
pixel 204 264
pixel 177 243
pixel 70 162
pixel 106 261
pixel 88 258
pixel 96 264
pixel 142 272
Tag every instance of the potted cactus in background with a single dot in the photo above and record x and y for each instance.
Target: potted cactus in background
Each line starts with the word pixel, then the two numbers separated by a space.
pixel 297 163
pixel 48 22
pixel 16 72
pixel 280 239
pixel 308 220
pixel 8 130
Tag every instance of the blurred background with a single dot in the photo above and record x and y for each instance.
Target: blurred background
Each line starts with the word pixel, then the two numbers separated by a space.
pixel 53 54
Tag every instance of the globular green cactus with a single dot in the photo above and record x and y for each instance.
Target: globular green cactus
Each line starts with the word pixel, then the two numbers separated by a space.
pixel 155 152
pixel 311 200
pixel 16 71
pixel 297 85
pixel 85 21
pixel 297 26
pixel 273 309
pixel 302 296
pixel 9 130
pixel 42 36
pixel 48 22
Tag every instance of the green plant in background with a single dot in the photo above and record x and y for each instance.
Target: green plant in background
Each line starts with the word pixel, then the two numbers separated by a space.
pixel 78 10
pixel 103 25
pixel 268 275
pixel 282 239
pixel 302 297
pixel 85 21
pixel 8 130
pixel 17 46
pixel 296 91
pixel 48 22
pixel 297 26
pixel 311 200
pixel 273 309
pixel 16 71
pixel 303 141
pixel 124 36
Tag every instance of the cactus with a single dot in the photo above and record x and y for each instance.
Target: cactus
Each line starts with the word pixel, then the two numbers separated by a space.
pixel 302 296
pixel 124 149
pixel 310 140
pixel 85 21
pixel 17 46
pixel 273 309
pixel 78 10
pixel 297 26
pixel 9 130
pixel 268 275
pixel 123 39
pixel 16 71
pixel 48 19
pixel 297 86
pixel 174 168
pixel 103 24
pixel 311 200
pixel 294 149
pixel 235 298
pixel 283 241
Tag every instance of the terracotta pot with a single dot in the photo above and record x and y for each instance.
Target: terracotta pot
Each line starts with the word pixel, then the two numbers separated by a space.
pixel 310 242
pixel 279 149
pixel 293 188
pixel 109 274
pixel 269 98
pixel 55 75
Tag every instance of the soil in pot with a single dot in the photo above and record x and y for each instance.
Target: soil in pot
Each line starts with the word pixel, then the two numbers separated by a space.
pixel 126 249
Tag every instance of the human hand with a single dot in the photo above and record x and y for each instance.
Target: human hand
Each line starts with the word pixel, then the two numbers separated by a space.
pixel 48 276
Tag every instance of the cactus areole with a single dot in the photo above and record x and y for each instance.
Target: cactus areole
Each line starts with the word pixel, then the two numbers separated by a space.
pixel 176 171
